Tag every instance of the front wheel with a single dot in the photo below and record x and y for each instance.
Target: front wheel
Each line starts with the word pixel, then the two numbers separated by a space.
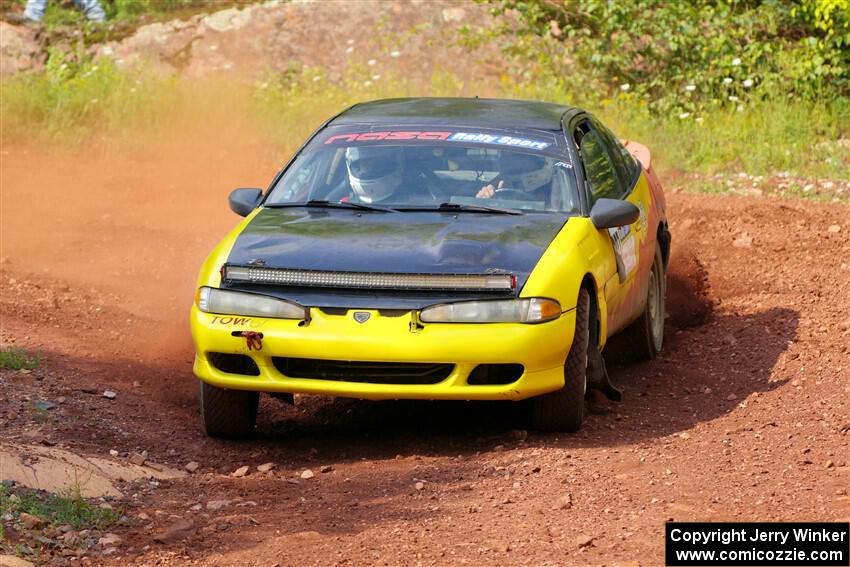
pixel 563 410
pixel 230 414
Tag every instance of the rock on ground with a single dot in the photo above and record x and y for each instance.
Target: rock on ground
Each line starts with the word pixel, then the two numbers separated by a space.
pixel 19 51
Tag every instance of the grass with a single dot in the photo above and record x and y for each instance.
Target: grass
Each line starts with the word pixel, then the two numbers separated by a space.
pixel 769 137
pixel 76 101
pixel 67 507
pixel 15 358
pixel 761 138
pixel 801 139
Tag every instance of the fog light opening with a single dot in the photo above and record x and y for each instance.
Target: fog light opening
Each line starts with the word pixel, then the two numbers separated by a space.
pixel 234 363
pixel 495 374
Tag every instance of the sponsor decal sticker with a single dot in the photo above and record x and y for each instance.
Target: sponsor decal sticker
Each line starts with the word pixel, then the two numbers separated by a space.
pixel 625 251
pixel 228 321
pixel 474 137
pixel 481 138
pixel 379 136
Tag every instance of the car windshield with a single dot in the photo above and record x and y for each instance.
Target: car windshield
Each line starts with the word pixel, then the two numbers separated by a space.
pixel 424 169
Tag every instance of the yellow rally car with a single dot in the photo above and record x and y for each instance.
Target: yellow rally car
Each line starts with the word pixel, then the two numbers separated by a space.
pixel 436 248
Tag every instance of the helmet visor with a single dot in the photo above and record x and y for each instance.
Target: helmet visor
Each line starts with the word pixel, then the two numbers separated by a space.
pixel 369 168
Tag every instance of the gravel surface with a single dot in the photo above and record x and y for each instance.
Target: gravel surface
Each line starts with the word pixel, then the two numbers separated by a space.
pixel 743 417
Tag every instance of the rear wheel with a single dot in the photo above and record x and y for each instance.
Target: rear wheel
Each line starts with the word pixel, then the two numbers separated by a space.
pixel 563 410
pixel 645 337
pixel 229 414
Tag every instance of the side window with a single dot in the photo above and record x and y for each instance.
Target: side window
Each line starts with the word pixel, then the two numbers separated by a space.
pixel 625 164
pixel 564 195
pixel 602 178
pixel 304 181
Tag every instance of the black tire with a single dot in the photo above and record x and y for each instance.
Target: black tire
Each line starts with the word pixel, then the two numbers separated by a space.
pixel 229 414
pixel 645 337
pixel 563 410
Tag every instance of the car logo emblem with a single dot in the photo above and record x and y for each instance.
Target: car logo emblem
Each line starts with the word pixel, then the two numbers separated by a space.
pixel 361 316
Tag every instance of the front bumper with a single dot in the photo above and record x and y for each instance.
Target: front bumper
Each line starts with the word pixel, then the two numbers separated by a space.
pixel 541 349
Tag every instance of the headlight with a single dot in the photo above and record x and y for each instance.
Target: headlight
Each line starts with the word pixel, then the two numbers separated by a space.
pixel 214 300
pixel 533 310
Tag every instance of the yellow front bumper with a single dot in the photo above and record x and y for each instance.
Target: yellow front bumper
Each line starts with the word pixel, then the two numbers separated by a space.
pixel 541 349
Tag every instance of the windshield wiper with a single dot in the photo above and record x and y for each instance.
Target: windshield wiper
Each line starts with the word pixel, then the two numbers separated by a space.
pixel 452 207
pixel 333 205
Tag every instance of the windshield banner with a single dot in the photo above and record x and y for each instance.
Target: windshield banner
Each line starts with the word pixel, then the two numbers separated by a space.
pixel 472 137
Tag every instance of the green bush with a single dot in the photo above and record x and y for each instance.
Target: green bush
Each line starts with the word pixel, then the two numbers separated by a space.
pixel 15 358
pixel 67 506
pixel 681 57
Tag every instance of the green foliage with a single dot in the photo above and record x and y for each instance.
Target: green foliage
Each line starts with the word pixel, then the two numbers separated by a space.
pixel 711 87
pixel 766 138
pixel 831 17
pixel 15 358
pixel 131 9
pixel 65 507
pixel 75 98
pixel 682 56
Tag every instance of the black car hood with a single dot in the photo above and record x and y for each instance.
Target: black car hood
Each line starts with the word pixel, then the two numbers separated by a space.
pixel 395 242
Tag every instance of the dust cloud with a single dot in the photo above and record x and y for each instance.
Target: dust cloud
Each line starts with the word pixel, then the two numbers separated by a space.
pixel 688 301
pixel 128 223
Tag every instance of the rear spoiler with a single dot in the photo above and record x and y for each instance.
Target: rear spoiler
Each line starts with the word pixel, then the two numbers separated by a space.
pixel 640 152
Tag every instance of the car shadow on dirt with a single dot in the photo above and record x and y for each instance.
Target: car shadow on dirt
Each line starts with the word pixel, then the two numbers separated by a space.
pixel 381 450
pixel 704 373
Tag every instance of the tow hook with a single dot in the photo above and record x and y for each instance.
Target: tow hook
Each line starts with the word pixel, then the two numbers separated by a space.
pixel 415 322
pixel 253 339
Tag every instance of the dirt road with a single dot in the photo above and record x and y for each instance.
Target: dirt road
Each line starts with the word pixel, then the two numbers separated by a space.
pixel 743 417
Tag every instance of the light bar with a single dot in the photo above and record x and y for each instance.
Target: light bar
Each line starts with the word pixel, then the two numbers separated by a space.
pixel 369 280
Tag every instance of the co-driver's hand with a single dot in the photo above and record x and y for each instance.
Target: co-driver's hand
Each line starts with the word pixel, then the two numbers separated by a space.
pixel 488 190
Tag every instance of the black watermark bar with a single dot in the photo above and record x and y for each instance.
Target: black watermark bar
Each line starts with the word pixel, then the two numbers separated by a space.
pixel 762 544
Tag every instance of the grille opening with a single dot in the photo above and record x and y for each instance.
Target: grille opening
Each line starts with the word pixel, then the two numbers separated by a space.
pixel 366 372
pixel 234 363
pixel 393 312
pixel 334 310
pixel 345 310
pixel 495 374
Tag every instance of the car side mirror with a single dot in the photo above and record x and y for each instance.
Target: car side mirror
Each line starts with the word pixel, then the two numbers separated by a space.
pixel 611 213
pixel 244 200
